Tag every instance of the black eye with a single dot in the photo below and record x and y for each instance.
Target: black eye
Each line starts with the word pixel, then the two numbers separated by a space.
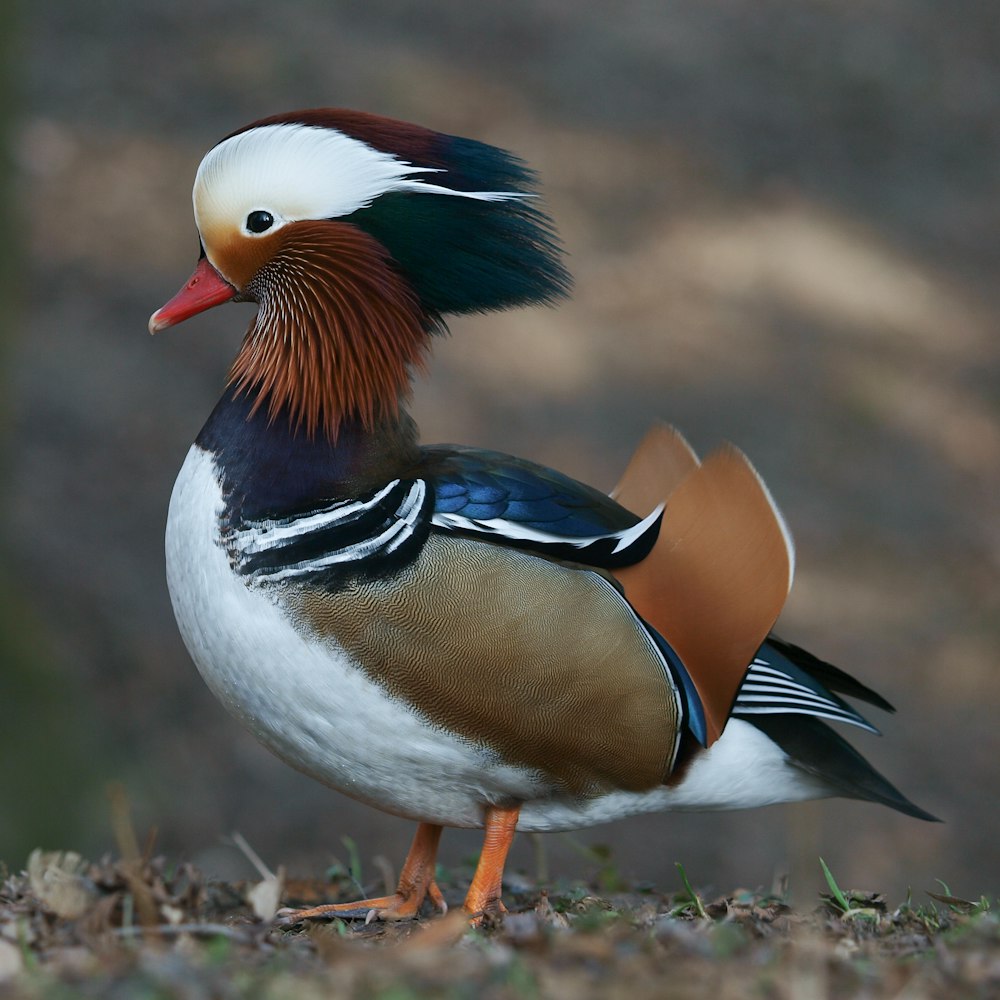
pixel 259 222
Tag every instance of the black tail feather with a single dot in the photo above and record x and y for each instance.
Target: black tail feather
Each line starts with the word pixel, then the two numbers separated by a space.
pixel 826 673
pixel 815 748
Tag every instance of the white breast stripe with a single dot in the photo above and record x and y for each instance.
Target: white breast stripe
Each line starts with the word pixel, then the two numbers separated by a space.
pixel 350 553
pixel 309 701
pixel 266 535
pixel 408 512
pixel 385 542
pixel 410 506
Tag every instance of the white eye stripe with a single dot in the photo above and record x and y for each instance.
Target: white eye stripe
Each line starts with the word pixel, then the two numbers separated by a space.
pixel 299 172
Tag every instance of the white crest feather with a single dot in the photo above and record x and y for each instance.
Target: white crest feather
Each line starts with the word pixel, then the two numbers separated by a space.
pixel 299 172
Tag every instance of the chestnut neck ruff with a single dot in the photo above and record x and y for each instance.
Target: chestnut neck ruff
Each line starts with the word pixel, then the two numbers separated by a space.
pixel 337 335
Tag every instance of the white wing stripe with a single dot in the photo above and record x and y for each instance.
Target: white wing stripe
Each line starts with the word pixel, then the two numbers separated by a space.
pixel 786 699
pixel 768 691
pixel 516 531
pixel 833 716
pixel 793 689
pixel 762 667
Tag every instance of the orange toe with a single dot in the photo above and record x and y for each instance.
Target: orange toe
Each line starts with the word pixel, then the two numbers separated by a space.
pixel 395 907
pixel 416 883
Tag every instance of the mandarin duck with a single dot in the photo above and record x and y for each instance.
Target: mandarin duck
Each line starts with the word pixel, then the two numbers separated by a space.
pixel 449 634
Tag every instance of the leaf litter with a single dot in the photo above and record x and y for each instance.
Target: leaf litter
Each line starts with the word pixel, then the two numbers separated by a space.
pixel 145 926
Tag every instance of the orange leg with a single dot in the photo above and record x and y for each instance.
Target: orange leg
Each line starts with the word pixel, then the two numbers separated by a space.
pixel 416 882
pixel 484 893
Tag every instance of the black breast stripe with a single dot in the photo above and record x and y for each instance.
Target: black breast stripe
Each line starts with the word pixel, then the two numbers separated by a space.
pixel 369 535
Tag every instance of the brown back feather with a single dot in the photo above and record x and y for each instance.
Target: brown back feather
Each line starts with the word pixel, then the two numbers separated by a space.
pixel 719 573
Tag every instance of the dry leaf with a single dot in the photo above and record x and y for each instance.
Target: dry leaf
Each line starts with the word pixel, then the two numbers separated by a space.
pixel 11 960
pixel 56 879
pixel 265 897
pixel 440 933
pixel 172 914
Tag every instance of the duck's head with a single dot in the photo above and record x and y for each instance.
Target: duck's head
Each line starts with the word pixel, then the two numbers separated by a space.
pixel 355 234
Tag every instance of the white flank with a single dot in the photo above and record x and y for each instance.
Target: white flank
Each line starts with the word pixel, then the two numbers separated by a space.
pixel 742 769
pixel 299 172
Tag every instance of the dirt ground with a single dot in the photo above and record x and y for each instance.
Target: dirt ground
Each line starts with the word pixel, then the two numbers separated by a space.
pixel 783 223
pixel 152 929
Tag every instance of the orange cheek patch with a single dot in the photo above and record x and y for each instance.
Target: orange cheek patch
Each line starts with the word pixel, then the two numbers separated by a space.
pixel 237 257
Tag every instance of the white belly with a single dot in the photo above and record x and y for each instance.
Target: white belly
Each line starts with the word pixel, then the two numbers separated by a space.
pixel 317 710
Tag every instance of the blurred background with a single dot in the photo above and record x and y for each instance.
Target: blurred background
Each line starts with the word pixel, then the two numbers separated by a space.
pixel 784 224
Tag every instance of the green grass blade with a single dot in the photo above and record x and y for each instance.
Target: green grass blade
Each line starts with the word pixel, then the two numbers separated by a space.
pixel 835 889
pixel 699 906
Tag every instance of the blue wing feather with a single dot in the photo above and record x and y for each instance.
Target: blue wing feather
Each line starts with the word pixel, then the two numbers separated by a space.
pixel 450 505
pixel 511 501
pixel 529 491
pixel 481 511
pixel 452 491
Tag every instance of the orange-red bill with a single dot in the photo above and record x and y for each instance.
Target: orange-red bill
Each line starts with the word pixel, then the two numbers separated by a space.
pixel 204 289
